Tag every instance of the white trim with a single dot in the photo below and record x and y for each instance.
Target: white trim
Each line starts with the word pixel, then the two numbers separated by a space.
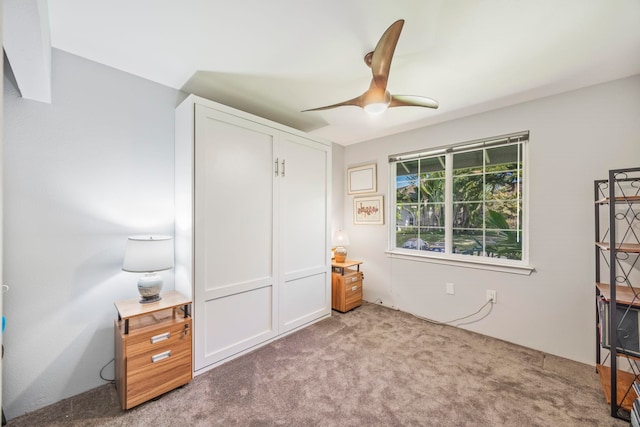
pixel 466 261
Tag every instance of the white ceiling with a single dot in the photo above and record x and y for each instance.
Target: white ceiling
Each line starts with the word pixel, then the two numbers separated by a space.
pixel 275 58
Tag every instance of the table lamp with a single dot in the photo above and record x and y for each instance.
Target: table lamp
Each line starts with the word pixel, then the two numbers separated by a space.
pixel 340 240
pixel 148 254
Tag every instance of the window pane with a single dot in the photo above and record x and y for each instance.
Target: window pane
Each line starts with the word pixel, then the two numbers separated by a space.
pixel 502 185
pixel 407 215
pixel 467 242
pixel 434 237
pixel 432 215
pixel 407 168
pixel 468 188
pixel 404 234
pixel 407 182
pixel 468 215
pixel 432 166
pixel 504 244
pixel 407 191
pixel 503 215
pixel 432 190
pixel 506 154
pixel 469 163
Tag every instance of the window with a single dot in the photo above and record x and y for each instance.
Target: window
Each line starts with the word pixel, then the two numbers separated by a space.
pixel 462 201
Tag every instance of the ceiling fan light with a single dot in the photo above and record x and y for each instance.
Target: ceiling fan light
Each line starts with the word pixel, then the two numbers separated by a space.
pixel 376 107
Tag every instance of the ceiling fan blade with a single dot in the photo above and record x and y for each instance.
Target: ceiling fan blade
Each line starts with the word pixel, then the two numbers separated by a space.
pixel 383 54
pixel 412 101
pixel 357 102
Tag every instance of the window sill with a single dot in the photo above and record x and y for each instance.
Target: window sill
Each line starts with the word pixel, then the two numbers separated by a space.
pixel 462 261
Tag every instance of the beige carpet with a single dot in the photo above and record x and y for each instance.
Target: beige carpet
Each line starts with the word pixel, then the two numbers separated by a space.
pixel 370 367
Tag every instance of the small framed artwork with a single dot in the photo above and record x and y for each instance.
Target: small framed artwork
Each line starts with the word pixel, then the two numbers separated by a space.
pixel 368 210
pixel 362 179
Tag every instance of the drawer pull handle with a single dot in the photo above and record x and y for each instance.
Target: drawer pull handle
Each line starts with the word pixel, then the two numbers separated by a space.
pixel 354 279
pixel 161 356
pixel 160 337
pixel 354 288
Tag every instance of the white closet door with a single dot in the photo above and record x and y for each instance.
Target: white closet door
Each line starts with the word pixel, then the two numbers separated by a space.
pixel 305 288
pixel 235 300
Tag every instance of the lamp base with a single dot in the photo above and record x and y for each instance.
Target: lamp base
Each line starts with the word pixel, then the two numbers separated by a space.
pixel 149 287
pixel 340 254
pixel 146 300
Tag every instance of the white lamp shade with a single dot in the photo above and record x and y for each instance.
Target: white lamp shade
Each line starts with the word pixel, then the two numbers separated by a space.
pixel 145 254
pixel 340 238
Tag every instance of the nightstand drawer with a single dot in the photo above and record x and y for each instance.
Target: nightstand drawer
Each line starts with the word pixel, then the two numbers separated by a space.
pixel 151 339
pixel 353 296
pixel 153 373
pixel 157 355
pixel 353 290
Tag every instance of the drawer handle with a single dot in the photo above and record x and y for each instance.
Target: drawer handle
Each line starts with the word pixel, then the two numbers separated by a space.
pixel 354 279
pixel 354 288
pixel 161 356
pixel 160 337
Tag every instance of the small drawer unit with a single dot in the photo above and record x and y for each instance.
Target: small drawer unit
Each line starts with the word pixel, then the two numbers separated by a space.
pixel 346 285
pixel 152 347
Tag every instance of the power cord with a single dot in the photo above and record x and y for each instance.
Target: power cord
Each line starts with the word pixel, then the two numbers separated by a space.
pixel 485 315
pixel 460 318
pixel 109 380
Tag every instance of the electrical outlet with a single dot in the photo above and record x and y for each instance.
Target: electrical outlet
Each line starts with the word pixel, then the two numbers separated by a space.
pixel 450 289
pixel 492 296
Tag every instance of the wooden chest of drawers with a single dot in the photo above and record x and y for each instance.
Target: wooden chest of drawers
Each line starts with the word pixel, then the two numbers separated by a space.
pixel 152 351
pixel 346 288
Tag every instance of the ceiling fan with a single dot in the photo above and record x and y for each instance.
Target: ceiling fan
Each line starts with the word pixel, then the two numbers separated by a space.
pixel 377 98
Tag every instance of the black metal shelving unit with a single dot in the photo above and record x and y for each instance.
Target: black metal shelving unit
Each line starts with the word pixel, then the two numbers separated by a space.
pixel 617 235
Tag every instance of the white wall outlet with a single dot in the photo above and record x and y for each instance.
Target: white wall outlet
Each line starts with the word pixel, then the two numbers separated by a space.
pixel 492 296
pixel 450 289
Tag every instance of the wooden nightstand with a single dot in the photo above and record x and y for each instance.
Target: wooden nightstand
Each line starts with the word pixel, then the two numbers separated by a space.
pixel 152 347
pixel 346 285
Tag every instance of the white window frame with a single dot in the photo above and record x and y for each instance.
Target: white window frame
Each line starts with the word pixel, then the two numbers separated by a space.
pixel 447 258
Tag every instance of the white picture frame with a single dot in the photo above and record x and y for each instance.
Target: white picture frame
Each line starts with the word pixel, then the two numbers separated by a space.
pixel 368 210
pixel 362 179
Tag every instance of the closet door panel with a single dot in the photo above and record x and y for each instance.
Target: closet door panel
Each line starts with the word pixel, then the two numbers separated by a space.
pixel 303 206
pixel 304 255
pixel 303 299
pixel 233 261
pixel 246 319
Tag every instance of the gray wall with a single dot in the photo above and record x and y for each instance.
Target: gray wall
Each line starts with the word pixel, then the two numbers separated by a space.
pixel 575 138
pixel 80 175
pixel 338 187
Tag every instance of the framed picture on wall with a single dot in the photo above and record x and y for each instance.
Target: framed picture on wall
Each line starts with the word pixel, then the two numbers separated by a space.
pixel 362 179
pixel 368 210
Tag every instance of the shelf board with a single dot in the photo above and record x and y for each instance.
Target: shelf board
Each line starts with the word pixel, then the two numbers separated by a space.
pixel 621 247
pixel 132 307
pixel 348 263
pixel 621 199
pixel 624 294
pixel 624 384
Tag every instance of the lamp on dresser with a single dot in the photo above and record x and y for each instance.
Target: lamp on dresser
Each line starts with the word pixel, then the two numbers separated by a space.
pixel 148 254
pixel 340 240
